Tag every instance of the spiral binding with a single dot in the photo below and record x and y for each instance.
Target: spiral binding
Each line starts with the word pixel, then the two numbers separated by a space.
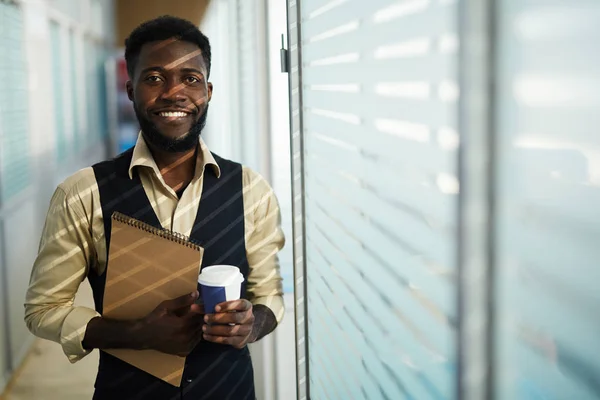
pixel 160 232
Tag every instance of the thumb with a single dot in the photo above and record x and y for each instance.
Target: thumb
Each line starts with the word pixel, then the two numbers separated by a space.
pixel 180 302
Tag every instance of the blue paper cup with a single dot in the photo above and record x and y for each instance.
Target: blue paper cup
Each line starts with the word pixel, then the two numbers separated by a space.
pixel 219 283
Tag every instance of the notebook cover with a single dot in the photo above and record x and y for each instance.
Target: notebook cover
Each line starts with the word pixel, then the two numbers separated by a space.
pixel 147 266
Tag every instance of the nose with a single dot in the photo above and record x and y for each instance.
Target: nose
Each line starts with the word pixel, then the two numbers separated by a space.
pixel 173 92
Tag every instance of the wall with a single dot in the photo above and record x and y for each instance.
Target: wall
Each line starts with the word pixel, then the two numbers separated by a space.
pixel 284 370
pixel 15 171
pixel 248 122
pixel 131 13
pixel 63 45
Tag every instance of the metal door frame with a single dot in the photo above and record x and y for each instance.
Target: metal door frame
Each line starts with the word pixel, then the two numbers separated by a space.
pixel 476 205
pixel 294 63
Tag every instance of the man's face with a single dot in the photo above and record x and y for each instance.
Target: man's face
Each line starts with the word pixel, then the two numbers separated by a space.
pixel 170 94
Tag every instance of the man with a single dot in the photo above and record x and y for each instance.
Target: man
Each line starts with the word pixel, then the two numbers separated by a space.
pixel 169 179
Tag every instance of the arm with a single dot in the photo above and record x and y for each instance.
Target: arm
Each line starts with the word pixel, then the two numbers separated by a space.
pixel 174 327
pixel 265 240
pixel 259 315
pixel 264 322
pixel 65 253
pixel 102 333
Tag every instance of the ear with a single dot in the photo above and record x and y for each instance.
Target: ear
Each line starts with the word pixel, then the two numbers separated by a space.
pixel 210 90
pixel 129 87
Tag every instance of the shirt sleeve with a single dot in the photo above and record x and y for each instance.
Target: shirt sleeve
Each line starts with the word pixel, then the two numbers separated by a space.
pixel 264 239
pixel 64 256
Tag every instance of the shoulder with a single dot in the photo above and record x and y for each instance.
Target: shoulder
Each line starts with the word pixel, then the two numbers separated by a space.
pixel 258 193
pixel 255 182
pixel 76 193
pixel 81 181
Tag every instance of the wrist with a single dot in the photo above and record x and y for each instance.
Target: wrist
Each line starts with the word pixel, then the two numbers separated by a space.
pixel 253 333
pixel 264 323
pixel 105 334
pixel 136 331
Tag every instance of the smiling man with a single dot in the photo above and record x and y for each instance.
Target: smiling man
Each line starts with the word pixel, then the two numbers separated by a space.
pixel 169 179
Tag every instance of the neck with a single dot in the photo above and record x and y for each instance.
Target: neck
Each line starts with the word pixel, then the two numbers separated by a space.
pixel 177 169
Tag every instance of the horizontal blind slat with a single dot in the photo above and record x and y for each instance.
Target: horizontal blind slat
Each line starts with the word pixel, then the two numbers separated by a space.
pixel 418 35
pixel 433 69
pixel 422 116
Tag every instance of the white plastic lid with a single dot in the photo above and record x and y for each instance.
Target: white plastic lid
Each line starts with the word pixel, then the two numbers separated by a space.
pixel 220 275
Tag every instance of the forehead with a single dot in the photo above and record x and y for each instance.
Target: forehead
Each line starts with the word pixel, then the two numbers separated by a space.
pixel 171 54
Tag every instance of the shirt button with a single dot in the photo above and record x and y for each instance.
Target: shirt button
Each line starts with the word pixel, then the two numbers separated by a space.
pixel 189 380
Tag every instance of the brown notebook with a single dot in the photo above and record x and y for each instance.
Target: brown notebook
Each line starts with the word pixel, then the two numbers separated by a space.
pixel 147 266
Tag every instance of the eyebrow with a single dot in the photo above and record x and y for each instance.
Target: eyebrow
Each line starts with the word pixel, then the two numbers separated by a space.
pixel 194 70
pixel 157 69
pixel 162 69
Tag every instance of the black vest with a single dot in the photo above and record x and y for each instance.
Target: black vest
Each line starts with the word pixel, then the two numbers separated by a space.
pixel 212 371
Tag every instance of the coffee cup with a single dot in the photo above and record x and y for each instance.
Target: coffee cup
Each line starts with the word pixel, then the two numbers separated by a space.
pixel 219 283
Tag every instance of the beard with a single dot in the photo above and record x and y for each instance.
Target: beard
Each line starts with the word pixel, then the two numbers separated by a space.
pixel 155 137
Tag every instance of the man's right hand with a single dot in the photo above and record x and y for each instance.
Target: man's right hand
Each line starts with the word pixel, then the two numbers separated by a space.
pixel 174 327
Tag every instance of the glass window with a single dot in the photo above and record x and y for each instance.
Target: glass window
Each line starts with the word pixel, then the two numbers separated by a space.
pixel 58 84
pixel 14 134
pixel 92 93
pixel 548 198
pixel 379 90
pixel 75 82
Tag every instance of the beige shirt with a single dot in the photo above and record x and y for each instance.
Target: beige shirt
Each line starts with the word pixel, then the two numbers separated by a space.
pixel 73 241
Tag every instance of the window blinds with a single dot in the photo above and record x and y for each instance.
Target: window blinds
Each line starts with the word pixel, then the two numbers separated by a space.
pixel 379 155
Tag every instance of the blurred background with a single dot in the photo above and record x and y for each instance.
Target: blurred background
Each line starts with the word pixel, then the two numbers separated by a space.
pixel 437 164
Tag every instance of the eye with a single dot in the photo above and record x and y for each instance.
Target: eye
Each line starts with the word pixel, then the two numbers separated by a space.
pixel 154 78
pixel 192 80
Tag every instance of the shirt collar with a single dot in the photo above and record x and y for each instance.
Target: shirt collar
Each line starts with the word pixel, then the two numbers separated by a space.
pixel 142 157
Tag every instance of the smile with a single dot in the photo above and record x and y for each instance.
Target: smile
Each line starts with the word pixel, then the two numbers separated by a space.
pixel 172 114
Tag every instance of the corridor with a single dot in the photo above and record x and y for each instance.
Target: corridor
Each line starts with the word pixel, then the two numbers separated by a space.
pixel 435 165
pixel 47 374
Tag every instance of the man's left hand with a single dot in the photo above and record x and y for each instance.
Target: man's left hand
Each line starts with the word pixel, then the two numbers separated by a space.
pixel 231 324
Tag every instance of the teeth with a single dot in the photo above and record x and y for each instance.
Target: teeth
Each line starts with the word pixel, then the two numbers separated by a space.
pixel 172 114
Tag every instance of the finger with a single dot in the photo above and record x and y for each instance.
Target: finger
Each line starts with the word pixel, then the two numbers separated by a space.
pixel 234 305
pixel 186 312
pixel 197 309
pixel 229 318
pixel 198 336
pixel 194 311
pixel 180 302
pixel 193 321
pixel 227 330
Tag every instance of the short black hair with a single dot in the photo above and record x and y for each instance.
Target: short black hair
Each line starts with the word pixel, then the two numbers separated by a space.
pixel 163 28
